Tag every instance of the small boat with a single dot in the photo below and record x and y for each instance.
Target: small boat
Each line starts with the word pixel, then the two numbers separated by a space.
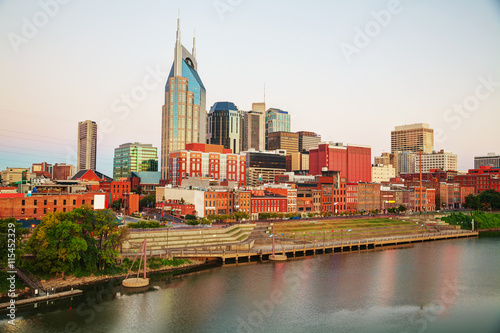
pixel 277 257
pixel 137 282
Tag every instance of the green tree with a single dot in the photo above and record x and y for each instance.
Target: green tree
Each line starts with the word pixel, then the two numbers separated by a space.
pixel 490 199
pixel 6 225
pixel 401 208
pixel 472 202
pixel 117 204
pixel 241 215
pixel 147 201
pixel 56 244
pixel 80 240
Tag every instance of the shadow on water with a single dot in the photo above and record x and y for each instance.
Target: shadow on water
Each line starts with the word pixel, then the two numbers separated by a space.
pixel 485 234
pixel 104 292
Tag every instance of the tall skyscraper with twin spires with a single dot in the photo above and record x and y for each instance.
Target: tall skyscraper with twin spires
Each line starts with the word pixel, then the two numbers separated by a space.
pixel 184 115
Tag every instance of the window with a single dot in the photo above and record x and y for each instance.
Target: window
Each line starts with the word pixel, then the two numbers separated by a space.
pixel 83 202
pixel 34 211
pixel 64 209
pixel 45 202
pixel 34 202
pixel 55 202
pixel 64 202
pixel 74 202
pixel 22 211
pixel 23 202
pixel 45 210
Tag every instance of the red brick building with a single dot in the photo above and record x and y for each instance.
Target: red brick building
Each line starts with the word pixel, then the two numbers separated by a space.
pixel 269 204
pixel 480 182
pixel 369 197
pixel 243 202
pixel 35 207
pixel 485 170
pixel 210 161
pixel 175 207
pixel 97 181
pixel 62 171
pixel 433 175
pixel 219 203
pixel 412 199
pixel 351 195
pixel 353 161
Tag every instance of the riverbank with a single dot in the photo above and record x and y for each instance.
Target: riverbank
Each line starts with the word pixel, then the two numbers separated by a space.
pixel 59 284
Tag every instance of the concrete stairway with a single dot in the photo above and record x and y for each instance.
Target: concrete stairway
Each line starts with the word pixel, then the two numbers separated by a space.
pixel 259 234
pixel 206 238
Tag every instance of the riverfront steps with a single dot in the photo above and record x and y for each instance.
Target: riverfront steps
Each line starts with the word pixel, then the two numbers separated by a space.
pixel 38 299
pixel 162 239
pixel 262 252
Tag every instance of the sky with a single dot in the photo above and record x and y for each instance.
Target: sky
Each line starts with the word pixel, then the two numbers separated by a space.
pixel 348 70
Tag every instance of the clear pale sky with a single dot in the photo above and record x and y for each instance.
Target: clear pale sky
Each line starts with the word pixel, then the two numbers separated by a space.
pixel 414 66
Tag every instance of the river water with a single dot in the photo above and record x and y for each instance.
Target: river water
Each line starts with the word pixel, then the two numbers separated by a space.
pixel 441 286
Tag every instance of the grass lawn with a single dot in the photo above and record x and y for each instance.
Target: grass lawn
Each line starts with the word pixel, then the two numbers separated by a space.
pixel 337 229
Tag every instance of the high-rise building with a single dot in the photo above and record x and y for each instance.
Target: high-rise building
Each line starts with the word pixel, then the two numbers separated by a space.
pixel 225 126
pixel 413 138
pixel 184 116
pixel 276 121
pixel 134 157
pixel 352 161
pixel 87 145
pixel 288 141
pixel 492 159
pixel 254 134
pixel 444 160
pixel 308 140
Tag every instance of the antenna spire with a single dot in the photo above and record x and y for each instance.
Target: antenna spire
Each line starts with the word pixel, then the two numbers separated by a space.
pixel 179 25
pixel 194 44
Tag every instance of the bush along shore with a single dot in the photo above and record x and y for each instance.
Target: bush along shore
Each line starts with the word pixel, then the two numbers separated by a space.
pixel 482 220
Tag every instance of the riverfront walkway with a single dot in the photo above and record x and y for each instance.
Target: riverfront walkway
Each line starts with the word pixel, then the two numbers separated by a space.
pixel 262 252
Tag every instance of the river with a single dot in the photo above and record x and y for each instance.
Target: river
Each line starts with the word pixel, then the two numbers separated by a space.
pixel 441 286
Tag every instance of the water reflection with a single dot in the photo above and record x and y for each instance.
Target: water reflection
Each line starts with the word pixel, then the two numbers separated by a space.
pixel 428 287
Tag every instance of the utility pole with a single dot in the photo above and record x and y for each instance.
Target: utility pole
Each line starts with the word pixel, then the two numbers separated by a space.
pixel 420 167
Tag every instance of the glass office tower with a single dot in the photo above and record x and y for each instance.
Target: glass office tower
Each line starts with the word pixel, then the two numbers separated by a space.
pixel 184 116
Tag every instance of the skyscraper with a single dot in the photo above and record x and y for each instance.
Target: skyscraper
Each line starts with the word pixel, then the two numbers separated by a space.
pixel 254 134
pixel 413 138
pixel 134 157
pixel 184 116
pixel 87 145
pixel 225 126
pixel 276 121
pixel 254 131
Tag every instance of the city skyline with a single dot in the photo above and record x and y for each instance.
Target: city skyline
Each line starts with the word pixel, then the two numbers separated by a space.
pixel 407 72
